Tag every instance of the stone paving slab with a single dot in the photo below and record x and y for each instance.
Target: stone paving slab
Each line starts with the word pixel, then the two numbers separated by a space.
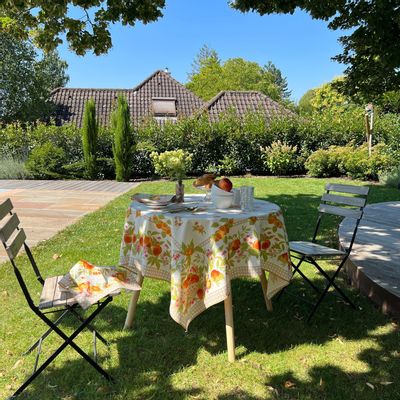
pixel 46 207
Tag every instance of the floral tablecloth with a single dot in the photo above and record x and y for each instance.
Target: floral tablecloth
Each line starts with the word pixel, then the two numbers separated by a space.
pixel 199 252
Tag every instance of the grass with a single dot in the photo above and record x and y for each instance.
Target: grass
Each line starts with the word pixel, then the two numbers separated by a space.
pixel 343 354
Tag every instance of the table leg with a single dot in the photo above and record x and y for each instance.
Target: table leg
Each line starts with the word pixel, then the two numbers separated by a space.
pixel 230 335
pixel 264 285
pixel 133 303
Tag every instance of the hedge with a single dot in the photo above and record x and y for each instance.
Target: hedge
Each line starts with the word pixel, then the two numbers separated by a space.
pixel 228 146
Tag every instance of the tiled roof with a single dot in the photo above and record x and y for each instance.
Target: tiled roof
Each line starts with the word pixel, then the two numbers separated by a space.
pixel 243 102
pixel 70 102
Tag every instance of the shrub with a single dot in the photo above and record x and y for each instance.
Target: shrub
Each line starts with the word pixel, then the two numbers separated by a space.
pixel 123 148
pixel 89 139
pixel 12 169
pixel 46 162
pixel 391 178
pixel 351 161
pixel 280 158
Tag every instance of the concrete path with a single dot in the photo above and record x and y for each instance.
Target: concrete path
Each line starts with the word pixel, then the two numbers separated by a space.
pixel 46 207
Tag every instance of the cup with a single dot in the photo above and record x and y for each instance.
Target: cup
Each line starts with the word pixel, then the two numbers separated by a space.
pixel 236 197
pixel 247 198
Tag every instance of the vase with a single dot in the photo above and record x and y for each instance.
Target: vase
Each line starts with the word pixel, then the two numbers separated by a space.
pixel 179 192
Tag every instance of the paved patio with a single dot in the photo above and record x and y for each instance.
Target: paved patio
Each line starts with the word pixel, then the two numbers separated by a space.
pixel 373 265
pixel 47 207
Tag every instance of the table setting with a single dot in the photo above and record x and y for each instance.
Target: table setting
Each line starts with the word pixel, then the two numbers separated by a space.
pixel 201 243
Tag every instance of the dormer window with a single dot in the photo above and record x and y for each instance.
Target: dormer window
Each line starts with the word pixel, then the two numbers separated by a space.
pixel 164 106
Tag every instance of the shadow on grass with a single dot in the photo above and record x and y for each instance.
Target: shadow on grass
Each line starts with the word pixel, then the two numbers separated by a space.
pixel 148 357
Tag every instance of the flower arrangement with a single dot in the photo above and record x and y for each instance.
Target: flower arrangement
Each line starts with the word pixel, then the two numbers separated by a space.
pixel 174 164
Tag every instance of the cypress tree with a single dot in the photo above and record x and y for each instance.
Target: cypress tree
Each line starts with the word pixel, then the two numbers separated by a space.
pixel 89 139
pixel 123 146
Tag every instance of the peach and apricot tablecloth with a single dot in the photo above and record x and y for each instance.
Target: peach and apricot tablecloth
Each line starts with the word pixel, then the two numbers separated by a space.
pixel 199 252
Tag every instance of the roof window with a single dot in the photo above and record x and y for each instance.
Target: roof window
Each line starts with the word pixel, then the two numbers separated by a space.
pixel 164 106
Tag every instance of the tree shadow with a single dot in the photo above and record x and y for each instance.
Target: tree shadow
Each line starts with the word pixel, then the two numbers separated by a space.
pixel 145 359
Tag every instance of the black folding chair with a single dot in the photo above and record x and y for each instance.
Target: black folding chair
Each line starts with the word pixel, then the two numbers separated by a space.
pixel 310 252
pixel 52 299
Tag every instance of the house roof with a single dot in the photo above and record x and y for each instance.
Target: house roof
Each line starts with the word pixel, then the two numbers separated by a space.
pixel 243 102
pixel 70 102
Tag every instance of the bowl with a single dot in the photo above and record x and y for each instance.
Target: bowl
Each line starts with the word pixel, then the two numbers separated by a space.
pixel 222 201
pixel 216 191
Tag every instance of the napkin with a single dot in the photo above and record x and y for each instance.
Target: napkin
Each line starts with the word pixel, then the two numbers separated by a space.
pixel 90 283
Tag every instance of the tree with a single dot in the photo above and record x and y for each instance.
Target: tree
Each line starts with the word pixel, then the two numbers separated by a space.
pixel 123 147
pixel 49 21
pixel 210 75
pixel 279 80
pixel 26 80
pixel 326 98
pixel 305 106
pixel 371 51
pixel 89 139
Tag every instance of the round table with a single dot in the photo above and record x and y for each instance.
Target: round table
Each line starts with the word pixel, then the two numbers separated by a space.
pixel 200 251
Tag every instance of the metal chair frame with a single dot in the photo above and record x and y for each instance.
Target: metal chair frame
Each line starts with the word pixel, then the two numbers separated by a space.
pixel 19 241
pixel 325 208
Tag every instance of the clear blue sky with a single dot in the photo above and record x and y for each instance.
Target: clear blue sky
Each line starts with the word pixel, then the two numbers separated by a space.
pixel 301 47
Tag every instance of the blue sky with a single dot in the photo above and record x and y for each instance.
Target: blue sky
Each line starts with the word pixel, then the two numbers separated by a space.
pixel 300 46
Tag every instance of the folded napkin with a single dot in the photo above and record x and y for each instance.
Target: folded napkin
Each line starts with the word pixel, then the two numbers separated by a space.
pixel 90 283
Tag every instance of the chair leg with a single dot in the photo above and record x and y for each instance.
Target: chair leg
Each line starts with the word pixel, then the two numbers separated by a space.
pixel 47 333
pixel 296 268
pixel 90 327
pixel 330 283
pixel 68 341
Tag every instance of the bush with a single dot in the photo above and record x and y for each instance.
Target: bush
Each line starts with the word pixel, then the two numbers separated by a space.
pixel 391 178
pixel 12 169
pixel 280 158
pixel 231 145
pixel 46 162
pixel 351 161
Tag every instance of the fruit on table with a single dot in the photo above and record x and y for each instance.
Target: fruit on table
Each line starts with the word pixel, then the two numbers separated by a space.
pixel 225 184
pixel 205 180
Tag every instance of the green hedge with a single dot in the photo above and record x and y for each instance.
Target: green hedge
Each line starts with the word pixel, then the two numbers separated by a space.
pixel 229 146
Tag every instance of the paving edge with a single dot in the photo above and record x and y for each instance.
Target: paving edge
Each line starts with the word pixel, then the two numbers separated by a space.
pixel 387 302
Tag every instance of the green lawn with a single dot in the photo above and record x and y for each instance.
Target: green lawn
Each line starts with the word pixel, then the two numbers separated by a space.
pixel 343 354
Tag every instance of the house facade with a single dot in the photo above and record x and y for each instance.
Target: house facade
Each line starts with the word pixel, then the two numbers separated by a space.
pixel 161 97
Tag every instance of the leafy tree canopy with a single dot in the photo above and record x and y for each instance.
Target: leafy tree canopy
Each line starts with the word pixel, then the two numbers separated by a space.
pixel 371 51
pixel 210 75
pixel 84 23
pixel 26 80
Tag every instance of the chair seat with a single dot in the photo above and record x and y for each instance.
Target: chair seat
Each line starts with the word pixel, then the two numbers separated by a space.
pixel 52 296
pixel 314 249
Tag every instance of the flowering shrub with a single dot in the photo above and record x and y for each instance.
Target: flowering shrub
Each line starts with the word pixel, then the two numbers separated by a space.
pixel 280 158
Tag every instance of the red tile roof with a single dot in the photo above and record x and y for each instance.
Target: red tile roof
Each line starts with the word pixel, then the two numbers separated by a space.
pixel 70 102
pixel 243 102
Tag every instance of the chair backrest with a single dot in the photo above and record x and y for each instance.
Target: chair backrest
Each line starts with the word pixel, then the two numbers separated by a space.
pixel 332 203
pixel 343 201
pixel 13 238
